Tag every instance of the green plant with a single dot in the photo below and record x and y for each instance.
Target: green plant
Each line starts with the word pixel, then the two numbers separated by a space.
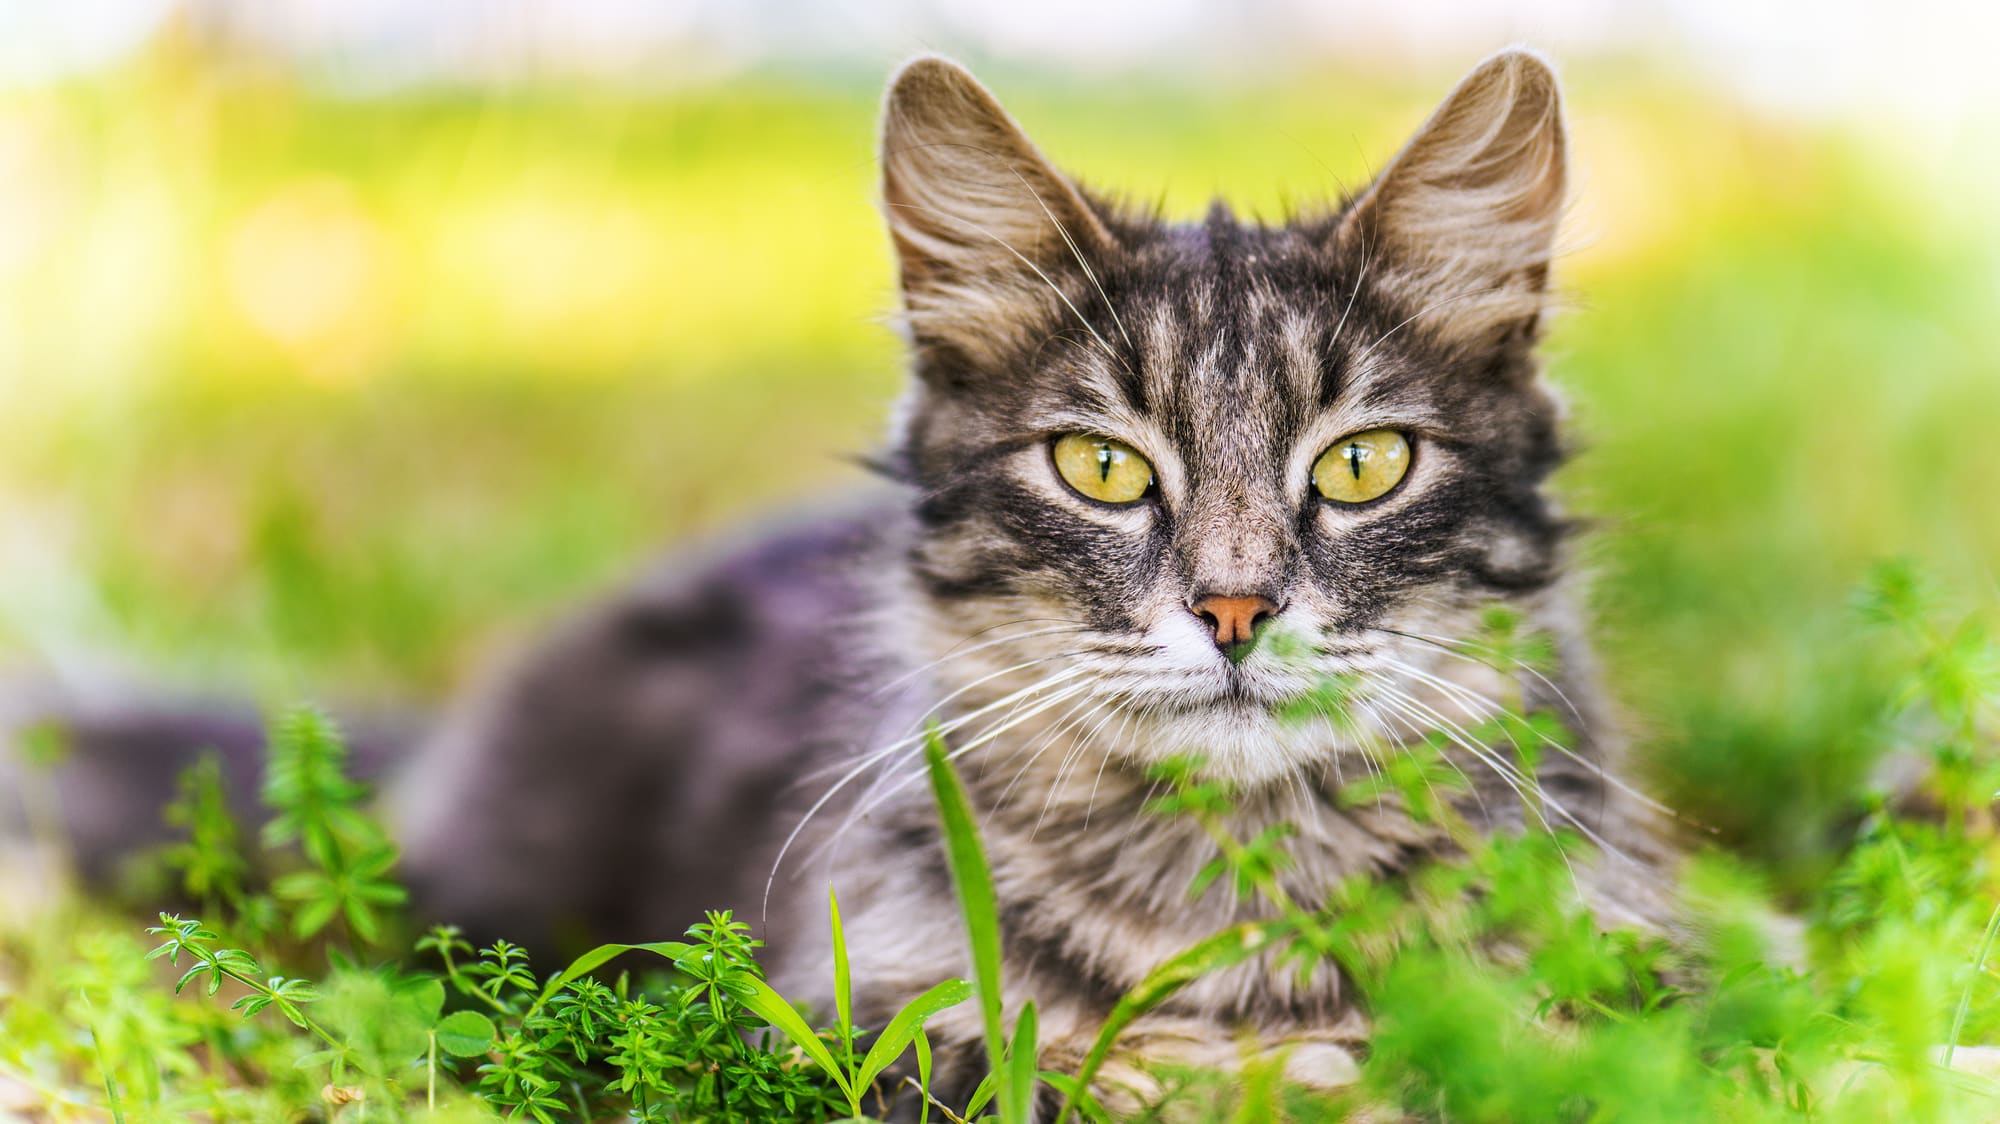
pixel 1011 1076
pixel 904 1029
pixel 696 1044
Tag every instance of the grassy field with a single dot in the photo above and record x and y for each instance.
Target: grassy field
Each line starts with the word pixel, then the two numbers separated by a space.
pixel 336 398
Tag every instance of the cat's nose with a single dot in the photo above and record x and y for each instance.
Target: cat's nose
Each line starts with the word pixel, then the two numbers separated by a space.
pixel 1234 620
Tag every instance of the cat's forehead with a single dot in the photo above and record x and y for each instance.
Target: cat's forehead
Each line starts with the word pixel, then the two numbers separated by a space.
pixel 1219 328
pixel 1223 276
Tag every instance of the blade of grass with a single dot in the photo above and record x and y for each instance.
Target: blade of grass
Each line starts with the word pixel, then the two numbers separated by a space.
pixel 116 1104
pixel 1972 981
pixel 1230 946
pixel 973 881
pixel 843 996
pixel 776 1010
pixel 982 1093
pixel 908 1024
pixel 923 1042
pixel 1017 1106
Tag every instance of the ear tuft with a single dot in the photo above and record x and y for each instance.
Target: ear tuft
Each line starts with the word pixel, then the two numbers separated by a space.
pixel 1467 212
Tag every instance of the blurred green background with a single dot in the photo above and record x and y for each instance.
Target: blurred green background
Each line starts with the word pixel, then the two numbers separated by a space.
pixel 310 391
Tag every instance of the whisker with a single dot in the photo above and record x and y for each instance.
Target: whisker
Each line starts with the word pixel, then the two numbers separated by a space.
pixel 1038 747
pixel 1078 255
pixel 1359 280
pixel 911 732
pixel 1037 270
pixel 983 738
pixel 1104 762
pixel 1510 775
pixel 874 756
pixel 1411 720
pixel 1445 645
pixel 956 651
pixel 1467 295
pixel 1020 712
pixel 1418 730
pixel 1411 706
pixel 1076 754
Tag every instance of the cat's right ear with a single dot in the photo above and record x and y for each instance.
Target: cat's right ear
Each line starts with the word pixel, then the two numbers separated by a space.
pixel 982 222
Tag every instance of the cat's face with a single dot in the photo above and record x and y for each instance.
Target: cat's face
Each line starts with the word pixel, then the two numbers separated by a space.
pixel 1180 474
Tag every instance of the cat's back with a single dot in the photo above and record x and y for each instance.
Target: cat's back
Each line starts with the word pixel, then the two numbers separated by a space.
pixel 649 740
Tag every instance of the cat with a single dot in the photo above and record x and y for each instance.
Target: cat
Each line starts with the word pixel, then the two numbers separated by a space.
pixel 1132 453
pixel 1151 482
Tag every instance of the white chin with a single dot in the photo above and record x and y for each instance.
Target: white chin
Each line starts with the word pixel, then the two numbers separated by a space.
pixel 1240 740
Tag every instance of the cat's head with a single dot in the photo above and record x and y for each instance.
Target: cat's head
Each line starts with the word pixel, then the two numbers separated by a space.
pixel 1143 450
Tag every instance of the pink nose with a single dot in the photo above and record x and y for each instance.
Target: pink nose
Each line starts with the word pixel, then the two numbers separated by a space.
pixel 1234 619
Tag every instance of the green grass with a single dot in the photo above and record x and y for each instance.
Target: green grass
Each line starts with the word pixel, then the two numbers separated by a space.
pixel 1494 995
pixel 570 326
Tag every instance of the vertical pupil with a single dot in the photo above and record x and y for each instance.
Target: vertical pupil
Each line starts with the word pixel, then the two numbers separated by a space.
pixel 1103 463
pixel 1355 455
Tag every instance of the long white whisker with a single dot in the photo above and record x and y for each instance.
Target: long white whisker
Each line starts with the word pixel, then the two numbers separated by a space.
pixel 1418 730
pixel 1363 358
pixel 857 769
pixel 1411 706
pixel 1039 746
pixel 1359 280
pixel 1021 712
pixel 915 732
pixel 1076 754
pixel 1445 645
pixel 1078 255
pixel 1509 774
pixel 957 652
pixel 1103 763
pixel 983 738
pixel 1413 722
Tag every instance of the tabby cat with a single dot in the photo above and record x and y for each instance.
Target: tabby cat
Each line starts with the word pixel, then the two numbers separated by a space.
pixel 1152 481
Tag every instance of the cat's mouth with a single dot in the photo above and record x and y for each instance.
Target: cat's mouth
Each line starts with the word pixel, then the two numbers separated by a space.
pixel 1252 693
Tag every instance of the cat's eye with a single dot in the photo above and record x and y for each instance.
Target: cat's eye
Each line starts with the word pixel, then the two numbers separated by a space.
pixel 1362 466
pixel 1102 468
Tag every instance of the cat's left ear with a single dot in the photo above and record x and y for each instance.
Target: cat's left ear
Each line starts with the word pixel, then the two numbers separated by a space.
pixel 1463 222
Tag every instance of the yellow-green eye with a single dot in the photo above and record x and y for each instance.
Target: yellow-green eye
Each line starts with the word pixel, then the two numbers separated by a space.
pixel 1363 466
pixel 1103 469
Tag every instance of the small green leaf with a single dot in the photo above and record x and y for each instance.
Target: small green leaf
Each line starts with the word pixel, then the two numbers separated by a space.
pixel 1018 1104
pixel 923 1072
pixel 982 1093
pixel 465 1034
pixel 597 957
pixel 778 1011
pixel 907 1024
pixel 316 1058
pixel 425 995
pixel 843 990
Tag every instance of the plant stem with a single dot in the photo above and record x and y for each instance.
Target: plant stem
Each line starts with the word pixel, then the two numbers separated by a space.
pixel 1972 980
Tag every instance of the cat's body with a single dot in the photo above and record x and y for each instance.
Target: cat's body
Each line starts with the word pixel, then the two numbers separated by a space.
pixel 663 752
pixel 657 756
